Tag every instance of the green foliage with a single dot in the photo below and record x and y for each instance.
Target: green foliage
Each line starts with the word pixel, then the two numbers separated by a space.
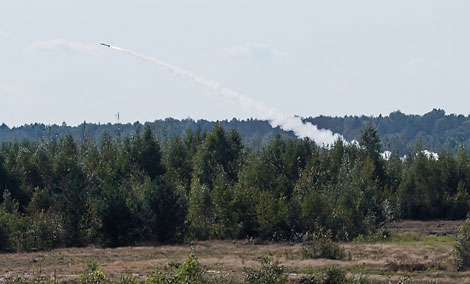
pixel 225 223
pixel 271 216
pixel 208 184
pixel 120 220
pixel 200 213
pixel 322 246
pixel 148 154
pixel 462 247
pixel 178 160
pixel 93 275
pixel 397 131
pixel 333 275
pixel 21 233
pixel 269 272
pixel 220 153
pixel 166 209
pixel 190 271
pixel 44 230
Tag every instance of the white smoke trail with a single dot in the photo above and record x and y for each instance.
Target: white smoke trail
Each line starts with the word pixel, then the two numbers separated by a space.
pixel 276 118
pixel 63 44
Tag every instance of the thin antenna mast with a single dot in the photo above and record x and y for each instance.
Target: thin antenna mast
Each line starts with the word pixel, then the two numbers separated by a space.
pixel 118 128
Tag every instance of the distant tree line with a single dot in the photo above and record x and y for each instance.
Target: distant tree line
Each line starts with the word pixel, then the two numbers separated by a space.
pixel 209 185
pixel 398 132
pixel 254 133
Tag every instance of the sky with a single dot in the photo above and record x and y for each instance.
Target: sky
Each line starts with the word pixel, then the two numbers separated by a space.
pixel 303 58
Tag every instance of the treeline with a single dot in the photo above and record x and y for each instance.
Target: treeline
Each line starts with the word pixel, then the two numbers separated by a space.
pixel 209 185
pixel 437 130
pixel 254 133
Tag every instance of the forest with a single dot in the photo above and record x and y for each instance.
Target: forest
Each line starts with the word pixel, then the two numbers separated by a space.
pixel 201 185
pixel 397 131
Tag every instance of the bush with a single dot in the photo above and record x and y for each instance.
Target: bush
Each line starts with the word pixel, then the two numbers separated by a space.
pixel 190 271
pixel 334 275
pixel 462 247
pixel 322 246
pixel 93 275
pixel 270 272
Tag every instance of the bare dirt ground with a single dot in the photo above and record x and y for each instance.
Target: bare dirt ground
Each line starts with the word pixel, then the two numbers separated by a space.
pixel 234 257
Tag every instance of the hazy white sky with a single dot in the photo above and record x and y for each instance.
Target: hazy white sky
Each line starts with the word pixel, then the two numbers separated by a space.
pixel 302 57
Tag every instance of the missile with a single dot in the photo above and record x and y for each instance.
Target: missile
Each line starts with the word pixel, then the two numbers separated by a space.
pixel 108 45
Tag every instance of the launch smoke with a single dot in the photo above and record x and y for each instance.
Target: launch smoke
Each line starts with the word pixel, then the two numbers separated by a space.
pixel 259 110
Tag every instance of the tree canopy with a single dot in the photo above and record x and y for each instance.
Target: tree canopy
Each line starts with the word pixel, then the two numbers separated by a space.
pixel 117 191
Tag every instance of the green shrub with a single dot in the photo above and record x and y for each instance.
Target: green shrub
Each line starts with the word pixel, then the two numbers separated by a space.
pixel 270 272
pixel 5 230
pixel 190 271
pixel 93 275
pixel 322 246
pixel 462 247
pixel 333 275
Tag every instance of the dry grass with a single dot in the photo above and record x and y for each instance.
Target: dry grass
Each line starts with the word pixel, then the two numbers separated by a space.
pixel 426 228
pixel 233 257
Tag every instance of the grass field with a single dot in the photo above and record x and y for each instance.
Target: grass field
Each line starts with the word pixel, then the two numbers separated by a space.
pixel 425 246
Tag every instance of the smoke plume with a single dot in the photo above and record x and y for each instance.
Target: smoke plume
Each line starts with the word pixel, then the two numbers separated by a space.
pixel 259 110
pixel 62 44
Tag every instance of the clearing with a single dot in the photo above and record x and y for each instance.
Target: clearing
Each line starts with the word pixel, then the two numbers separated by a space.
pixel 414 245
